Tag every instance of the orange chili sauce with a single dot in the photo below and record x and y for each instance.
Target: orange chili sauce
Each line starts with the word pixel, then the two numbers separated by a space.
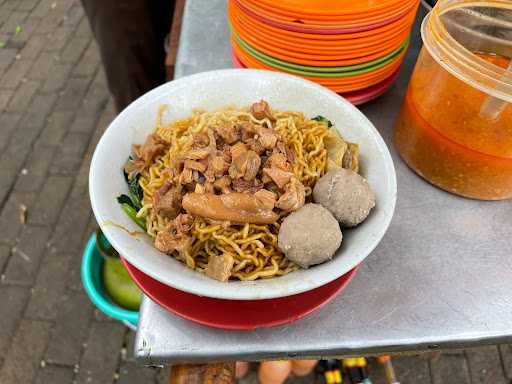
pixel 442 136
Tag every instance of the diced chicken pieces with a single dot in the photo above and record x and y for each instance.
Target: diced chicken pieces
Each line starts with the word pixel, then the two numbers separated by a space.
pixel 237 149
pixel 195 165
pixel 294 196
pixel 228 132
pixel 278 176
pixel 261 110
pixel 278 160
pixel 183 223
pixel 252 165
pixel 153 146
pixel 197 154
pixel 219 267
pixel 167 201
pixel 223 184
pixel 233 172
pixel 176 238
pixel 246 166
pixel 218 166
pixel 169 242
pixel 267 137
pixel 255 145
pixel 134 167
pixel 225 152
pixel 247 129
pixel 266 198
pixel 253 186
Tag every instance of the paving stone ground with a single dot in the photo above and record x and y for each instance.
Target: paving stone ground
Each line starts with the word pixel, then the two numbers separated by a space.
pixel 54 105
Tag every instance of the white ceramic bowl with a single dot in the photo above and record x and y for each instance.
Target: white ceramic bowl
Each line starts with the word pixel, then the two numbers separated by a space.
pixel 238 87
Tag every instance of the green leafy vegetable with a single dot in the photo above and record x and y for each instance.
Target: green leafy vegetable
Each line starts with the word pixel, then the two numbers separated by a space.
pixel 132 202
pixel 134 189
pixel 136 193
pixel 131 210
pixel 132 214
pixel 123 199
pixel 323 120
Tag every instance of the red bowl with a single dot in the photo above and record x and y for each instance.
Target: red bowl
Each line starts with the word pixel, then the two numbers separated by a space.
pixel 238 314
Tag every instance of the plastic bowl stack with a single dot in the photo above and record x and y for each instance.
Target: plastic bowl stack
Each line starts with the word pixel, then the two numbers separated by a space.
pixel 353 47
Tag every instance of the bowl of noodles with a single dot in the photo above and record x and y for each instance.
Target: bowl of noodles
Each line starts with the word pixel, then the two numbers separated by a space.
pixel 196 183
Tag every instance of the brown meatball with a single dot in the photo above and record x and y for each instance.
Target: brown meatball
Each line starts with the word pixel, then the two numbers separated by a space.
pixel 346 195
pixel 310 235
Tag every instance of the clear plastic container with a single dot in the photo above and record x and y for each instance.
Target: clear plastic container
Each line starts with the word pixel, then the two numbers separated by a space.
pixel 455 126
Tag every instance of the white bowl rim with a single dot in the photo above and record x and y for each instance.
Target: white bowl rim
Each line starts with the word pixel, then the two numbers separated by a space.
pixel 236 290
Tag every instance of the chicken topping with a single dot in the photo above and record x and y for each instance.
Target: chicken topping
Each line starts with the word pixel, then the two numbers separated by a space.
pixel 195 165
pixel 246 165
pixel 261 110
pixel 197 154
pixel 225 152
pixel 234 207
pixel 228 132
pixel 219 267
pixel 294 196
pixel 176 237
pixel 169 242
pixel 278 160
pixel 167 201
pixel 267 137
pixel 278 176
pixel 218 166
pixel 153 146
pixel 256 146
pixel 253 186
pixel 134 167
pixel 247 129
pixel 183 223
pixel 266 198
pixel 237 149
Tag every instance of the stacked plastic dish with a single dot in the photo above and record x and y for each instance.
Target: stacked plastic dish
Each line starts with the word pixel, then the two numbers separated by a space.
pixel 353 47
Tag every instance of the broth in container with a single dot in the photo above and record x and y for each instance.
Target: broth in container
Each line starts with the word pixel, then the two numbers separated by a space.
pixel 455 126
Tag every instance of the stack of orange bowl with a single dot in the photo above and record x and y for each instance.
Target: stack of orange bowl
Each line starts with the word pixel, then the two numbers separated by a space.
pixel 354 47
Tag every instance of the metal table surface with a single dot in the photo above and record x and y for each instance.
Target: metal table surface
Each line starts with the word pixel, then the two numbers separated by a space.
pixel 440 278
